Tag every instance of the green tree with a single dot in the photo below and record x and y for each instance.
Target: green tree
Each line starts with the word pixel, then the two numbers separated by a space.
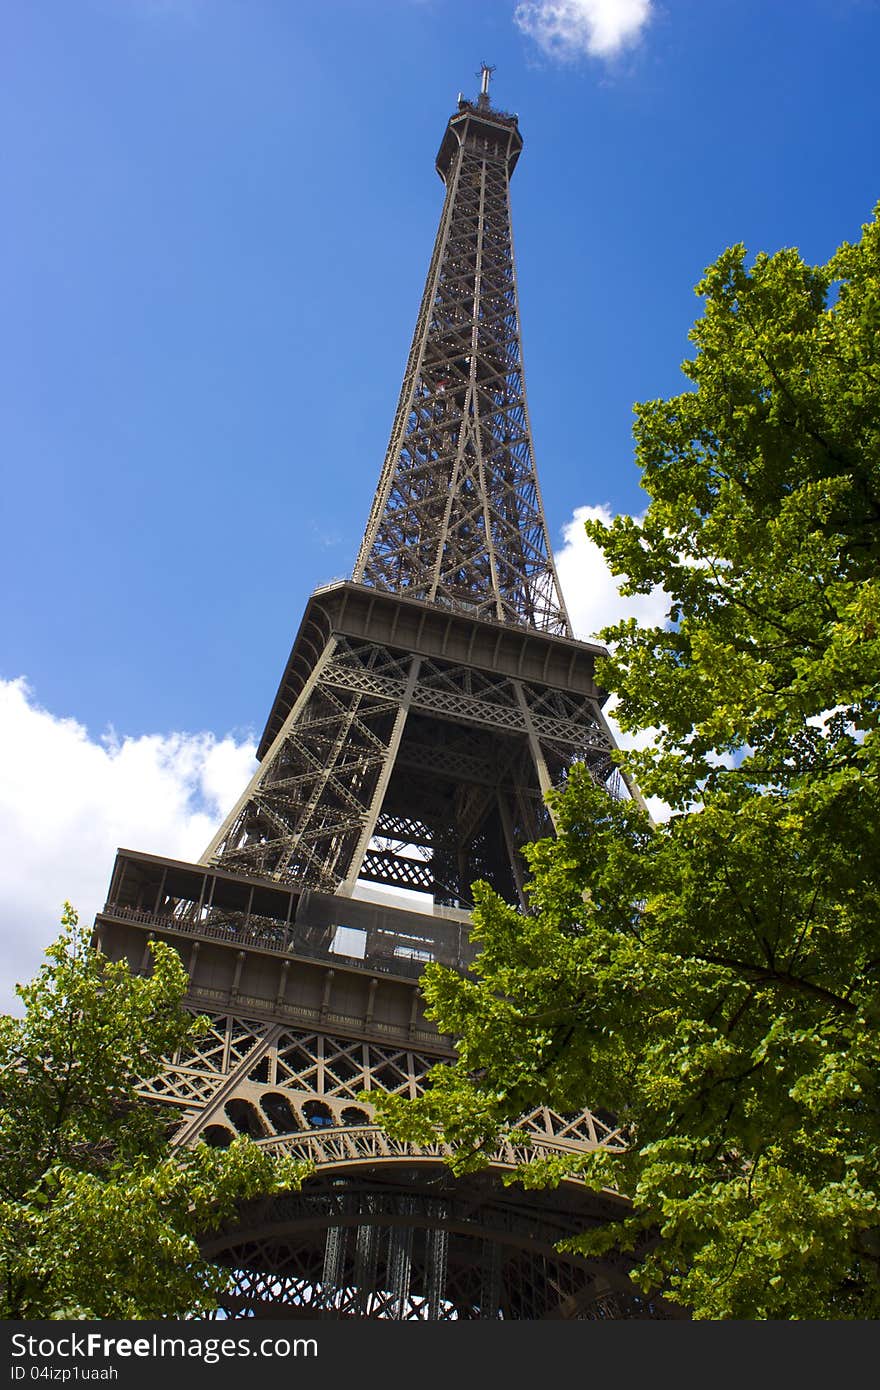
pixel 713 980
pixel 99 1214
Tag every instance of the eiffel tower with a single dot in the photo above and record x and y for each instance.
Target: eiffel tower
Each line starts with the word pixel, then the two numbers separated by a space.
pixel 427 706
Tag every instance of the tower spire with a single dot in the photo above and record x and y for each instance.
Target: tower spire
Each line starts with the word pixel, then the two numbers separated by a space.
pixel 457 518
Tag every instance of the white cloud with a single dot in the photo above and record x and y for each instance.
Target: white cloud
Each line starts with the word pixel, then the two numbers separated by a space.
pixel 591 590
pixel 569 29
pixel 67 801
pixel 594 601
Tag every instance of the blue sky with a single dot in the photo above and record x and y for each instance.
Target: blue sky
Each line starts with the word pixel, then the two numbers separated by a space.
pixel 218 219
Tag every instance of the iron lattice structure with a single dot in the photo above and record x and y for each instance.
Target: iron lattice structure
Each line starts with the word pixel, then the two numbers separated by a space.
pixel 427 707
pixel 457 517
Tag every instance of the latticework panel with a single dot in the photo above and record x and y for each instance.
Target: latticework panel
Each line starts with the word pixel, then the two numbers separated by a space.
pixel 302 816
pixel 196 1074
pixel 457 517
pixel 264 1080
pixel 307 1093
pixel 381 740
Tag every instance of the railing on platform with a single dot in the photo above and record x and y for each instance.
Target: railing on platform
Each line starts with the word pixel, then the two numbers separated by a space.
pixel 267 934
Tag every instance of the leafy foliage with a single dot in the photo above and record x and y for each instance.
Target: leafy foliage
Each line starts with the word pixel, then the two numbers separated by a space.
pixel 99 1215
pixel 713 980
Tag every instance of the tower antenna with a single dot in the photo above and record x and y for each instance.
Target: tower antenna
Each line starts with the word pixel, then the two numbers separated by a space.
pixel 485 73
